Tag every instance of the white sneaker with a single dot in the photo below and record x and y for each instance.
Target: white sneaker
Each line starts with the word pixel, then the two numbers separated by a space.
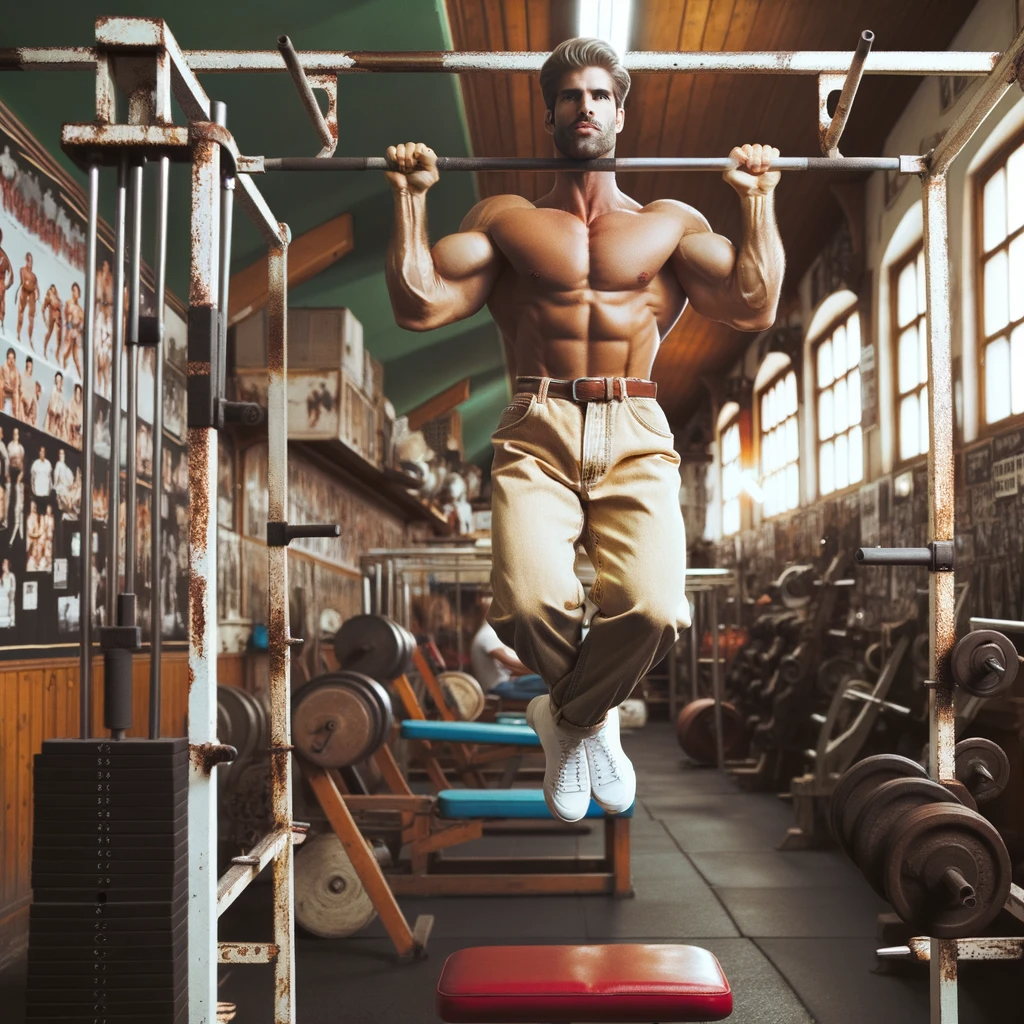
pixel 612 778
pixel 566 777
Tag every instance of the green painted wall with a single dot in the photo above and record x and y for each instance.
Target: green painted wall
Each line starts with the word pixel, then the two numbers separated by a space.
pixel 266 117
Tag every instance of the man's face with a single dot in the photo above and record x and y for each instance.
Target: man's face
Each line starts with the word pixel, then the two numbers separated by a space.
pixel 586 119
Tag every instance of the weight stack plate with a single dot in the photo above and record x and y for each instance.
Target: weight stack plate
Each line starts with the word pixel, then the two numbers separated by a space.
pixel 108 927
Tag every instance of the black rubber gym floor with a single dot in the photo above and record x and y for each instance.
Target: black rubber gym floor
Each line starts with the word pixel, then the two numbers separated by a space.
pixel 794 931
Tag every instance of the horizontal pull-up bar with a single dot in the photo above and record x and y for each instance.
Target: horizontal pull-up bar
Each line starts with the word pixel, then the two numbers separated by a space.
pixel 903 164
pixel 322 62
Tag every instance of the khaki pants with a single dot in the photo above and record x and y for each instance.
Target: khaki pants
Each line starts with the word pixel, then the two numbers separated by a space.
pixel 604 474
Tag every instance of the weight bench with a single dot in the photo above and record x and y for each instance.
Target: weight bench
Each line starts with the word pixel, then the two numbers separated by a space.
pixel 433 875
pixel 641 983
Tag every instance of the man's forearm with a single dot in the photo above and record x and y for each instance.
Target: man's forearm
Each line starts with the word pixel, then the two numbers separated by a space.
pixel 411 275
pixel 760 260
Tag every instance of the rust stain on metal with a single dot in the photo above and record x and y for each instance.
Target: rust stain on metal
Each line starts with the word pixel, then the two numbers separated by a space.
pixel 196 613
pixel 206 756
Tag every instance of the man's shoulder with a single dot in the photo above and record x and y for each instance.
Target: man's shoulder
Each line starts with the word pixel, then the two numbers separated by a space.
pixel 689 218
pixel 487 210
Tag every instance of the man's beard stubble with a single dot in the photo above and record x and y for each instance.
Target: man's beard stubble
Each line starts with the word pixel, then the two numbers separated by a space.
pixel 587 146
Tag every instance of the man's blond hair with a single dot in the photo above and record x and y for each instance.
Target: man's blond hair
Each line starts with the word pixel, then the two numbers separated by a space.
pixel 582 53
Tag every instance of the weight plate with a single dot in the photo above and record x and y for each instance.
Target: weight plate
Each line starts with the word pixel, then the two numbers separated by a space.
pixel 173 747
pixel 695 730
pixel 919 882
pixel 379 697
pixel 983 767
pixel 794 585
pixel 330 900
pixel 243 725
pixel 790 669
pixel 154 914
pixel 148 767
pixel 855 787
pixel 961 792
pixel 95 811
pixel 968 663
pixel 885 809
pixel 463 694
pixel 53 826
pixel 158 788
pixel 334 723
pixel 374 646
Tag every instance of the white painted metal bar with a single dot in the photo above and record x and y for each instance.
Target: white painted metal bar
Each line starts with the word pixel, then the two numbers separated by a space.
pixel 243 870
pixel 784 62
pixel 202 613
pixel 1007 71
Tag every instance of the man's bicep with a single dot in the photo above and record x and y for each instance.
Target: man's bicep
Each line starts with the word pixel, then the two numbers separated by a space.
pixel 704 264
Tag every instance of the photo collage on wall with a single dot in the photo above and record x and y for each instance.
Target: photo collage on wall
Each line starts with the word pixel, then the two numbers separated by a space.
pixel 42 327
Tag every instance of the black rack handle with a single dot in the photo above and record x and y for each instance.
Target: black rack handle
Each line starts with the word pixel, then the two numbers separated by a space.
pixel 280 535
pixel 936 557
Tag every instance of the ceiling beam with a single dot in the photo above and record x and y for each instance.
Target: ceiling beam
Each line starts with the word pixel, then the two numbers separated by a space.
pixel 311 252
pixel 439 404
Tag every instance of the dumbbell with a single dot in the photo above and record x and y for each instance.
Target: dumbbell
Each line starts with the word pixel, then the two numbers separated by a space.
pixel 984 663
pixel 942 866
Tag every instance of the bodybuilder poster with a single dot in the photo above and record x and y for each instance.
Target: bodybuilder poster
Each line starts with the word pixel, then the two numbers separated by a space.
pixel 42 320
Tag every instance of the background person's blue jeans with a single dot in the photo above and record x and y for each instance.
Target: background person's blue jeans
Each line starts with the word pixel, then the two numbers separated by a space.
pixel 521 688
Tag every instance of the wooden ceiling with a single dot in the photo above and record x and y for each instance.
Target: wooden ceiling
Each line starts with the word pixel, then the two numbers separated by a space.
pixel 704 115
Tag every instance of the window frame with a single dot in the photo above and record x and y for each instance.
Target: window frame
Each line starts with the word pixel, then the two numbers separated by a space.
pixel 895 269
pixel 734 421
pixel 824 335
pixel 766 387
pixel 978 181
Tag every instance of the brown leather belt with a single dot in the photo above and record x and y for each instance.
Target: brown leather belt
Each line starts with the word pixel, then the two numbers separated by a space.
pixel 590 389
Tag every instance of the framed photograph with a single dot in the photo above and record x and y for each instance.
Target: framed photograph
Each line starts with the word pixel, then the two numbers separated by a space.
pixel 174 404
pixel 30 596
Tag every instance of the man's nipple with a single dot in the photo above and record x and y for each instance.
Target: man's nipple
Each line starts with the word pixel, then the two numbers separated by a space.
pixel 535 274
pixel 643 277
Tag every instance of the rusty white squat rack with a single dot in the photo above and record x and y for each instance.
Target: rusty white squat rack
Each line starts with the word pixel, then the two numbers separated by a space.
pixel 141 56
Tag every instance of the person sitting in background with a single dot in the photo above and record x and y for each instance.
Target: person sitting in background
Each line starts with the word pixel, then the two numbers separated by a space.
pixel 496 667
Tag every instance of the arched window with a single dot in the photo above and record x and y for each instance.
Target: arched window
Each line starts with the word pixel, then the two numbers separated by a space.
pixel 840 444
pixel 910 353
pixel 780 443
pixel 732 467
pixel 999 254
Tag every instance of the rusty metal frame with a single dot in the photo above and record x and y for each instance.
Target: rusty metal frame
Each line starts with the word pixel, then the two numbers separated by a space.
pixel 207 145
pixel 943 954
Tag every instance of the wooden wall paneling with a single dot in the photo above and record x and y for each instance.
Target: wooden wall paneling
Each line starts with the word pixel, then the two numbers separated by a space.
pixel 9 736
pixel 27 696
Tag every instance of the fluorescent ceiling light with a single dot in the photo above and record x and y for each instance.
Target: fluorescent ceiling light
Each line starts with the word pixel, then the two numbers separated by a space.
pixel 607 20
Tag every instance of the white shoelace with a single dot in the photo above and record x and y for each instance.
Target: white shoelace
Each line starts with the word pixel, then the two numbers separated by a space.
pixel 602 759
pixel 572 754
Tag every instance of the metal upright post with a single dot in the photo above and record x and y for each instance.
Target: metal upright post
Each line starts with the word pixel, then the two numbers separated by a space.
pixel 202 582
pixel 131 492
pixel 716 680
pixel 114 421
pixel 941 585
pixel 694 639
pixel 156 551
pixel 279 639
pixel 85 515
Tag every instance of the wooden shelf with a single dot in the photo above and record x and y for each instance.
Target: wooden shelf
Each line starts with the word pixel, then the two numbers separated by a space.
pixel 337 458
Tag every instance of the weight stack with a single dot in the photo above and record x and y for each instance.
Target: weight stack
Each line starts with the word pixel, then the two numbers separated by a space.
pixel 108 926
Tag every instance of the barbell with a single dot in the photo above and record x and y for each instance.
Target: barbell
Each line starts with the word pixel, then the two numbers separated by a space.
pixel 265 164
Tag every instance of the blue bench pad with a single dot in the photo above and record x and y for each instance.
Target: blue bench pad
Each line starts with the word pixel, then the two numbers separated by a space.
pixel 469 732
pixel 503 803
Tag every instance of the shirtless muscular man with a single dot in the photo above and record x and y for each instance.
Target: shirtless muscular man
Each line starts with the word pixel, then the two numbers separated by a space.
pixel 584 284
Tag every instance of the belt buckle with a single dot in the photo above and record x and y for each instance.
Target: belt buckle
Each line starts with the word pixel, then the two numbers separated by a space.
pixel 584 380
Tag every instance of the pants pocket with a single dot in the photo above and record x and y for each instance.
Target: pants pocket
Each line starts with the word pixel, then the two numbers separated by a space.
pixel 514 414
pixel 650 415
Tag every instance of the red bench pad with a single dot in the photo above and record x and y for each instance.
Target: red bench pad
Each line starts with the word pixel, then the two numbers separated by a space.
pixel 550 984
